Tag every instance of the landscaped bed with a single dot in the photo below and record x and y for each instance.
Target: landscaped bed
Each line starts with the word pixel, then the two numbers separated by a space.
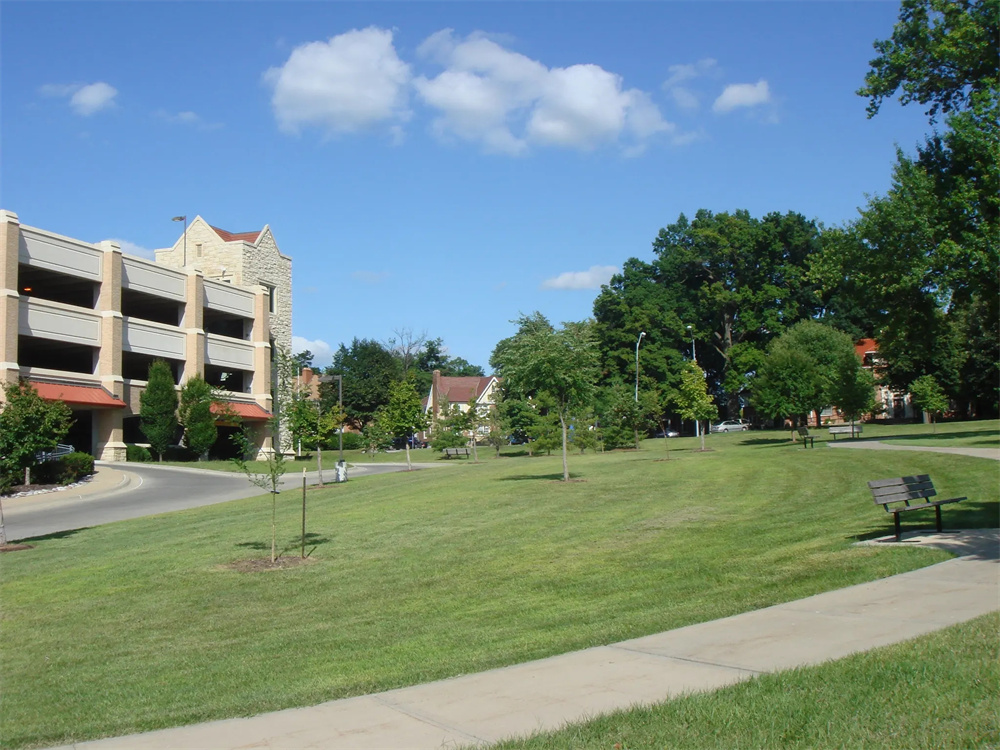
pixel 422 575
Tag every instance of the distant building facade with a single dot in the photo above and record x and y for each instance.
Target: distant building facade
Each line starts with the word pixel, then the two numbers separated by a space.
pixel 82 322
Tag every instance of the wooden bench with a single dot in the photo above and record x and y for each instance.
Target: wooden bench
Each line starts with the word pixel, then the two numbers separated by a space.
pixel 804 436
pixel 449 452
pixel 845 429
pixel 908 493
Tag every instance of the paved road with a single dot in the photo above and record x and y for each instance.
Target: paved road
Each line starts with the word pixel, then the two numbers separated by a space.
pixel 125 491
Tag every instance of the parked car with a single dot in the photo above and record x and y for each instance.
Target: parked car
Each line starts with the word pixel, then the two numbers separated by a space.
pixel 666 433
pixel 731 425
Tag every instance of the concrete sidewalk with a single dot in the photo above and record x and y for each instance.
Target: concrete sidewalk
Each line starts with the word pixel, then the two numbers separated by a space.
pixel 486 707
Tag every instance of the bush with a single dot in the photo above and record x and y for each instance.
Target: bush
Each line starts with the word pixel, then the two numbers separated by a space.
pixel 352 442
pixel 137 453
pixel 64 470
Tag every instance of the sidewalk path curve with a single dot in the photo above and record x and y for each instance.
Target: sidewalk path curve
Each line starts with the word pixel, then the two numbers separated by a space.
pixel 545 694
pixel 878 445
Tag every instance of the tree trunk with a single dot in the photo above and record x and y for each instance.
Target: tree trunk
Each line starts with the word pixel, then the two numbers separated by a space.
pixel 703 440
pixel 319 463
pixel 409 466
pixel 562 422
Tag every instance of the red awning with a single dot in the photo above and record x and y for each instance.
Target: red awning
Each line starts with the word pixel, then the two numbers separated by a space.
pixel 245 411
pixel 77 395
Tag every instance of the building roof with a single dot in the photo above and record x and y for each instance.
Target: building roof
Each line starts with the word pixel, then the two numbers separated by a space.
pixel 77 395
pixel 863 346
pixel 458 390
pixel 250 237
pixel 247 412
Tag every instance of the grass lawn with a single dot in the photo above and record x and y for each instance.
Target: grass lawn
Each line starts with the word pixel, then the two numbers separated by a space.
pixel 417 576
pixel 938 691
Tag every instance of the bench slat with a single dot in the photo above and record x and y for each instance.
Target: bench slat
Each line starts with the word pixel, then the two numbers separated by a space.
pixel 933 504
pixel 916 479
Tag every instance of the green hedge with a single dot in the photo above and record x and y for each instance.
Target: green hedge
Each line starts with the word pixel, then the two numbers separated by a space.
pixel 64 470
pixel 137 453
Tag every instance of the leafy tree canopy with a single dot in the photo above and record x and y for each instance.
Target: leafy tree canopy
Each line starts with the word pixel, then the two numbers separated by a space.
pixel 942 53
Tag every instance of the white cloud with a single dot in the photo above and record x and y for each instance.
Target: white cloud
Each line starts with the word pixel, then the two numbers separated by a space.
pixel 322 352
pixel 130 248
pixel 683 95
pixel 508 102
pixel 84 99
pixel 370 277
pixel 590 279
pixel 737 95
pixel 192 119
pixel 690 71
pixel 353 82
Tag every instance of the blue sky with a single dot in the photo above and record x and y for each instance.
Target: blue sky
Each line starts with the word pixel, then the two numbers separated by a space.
pixel 441 167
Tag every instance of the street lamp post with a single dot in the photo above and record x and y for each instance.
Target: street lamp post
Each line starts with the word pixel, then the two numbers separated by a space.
pixel 185 220
pixel 694 358
pixel 340 408
pixel 641 336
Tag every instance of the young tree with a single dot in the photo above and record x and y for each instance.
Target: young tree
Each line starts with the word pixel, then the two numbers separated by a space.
pixel 404 414
pixel 195 415
pixel 158 408
pixel 28 425
pixel 856 388
pixel 375 437
pixel 561 364
pixel 447 429
pixel 692 397
pixel 268 478
pixel 929 396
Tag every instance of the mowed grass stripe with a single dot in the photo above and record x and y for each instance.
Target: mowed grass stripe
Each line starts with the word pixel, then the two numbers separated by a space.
pixel 423 575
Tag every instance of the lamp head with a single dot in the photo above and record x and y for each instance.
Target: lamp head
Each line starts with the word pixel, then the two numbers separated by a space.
pixel 179 218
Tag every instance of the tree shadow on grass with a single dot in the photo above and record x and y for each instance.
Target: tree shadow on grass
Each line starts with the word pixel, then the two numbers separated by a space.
pixel 987 439
pixel 54 535
pixel 768 442
pixel 538 477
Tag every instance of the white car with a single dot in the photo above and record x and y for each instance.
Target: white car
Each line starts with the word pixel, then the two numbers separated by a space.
pixel 731 425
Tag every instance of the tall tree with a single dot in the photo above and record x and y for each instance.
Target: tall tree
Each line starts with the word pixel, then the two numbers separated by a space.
pixel 559 364
pixel 942 53
pixel 194 413
pixel 809 367
pixel 158 408
pixel 736 280
pixel 369 370
pixel 692 397
pixel 404 414
pixel 927 252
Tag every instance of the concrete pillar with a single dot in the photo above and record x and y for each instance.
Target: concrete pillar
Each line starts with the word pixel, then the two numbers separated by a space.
pixel 10 237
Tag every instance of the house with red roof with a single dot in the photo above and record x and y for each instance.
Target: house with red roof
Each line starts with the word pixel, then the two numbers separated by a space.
pixel 452 392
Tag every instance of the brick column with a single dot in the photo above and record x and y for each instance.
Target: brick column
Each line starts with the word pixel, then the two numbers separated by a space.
pixel 194 326
pixel 260 384
pixel 109 442
pixel 10 235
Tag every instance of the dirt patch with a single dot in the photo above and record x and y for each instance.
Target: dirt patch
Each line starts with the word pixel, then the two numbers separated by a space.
pixel 14 547
pixel 265 564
